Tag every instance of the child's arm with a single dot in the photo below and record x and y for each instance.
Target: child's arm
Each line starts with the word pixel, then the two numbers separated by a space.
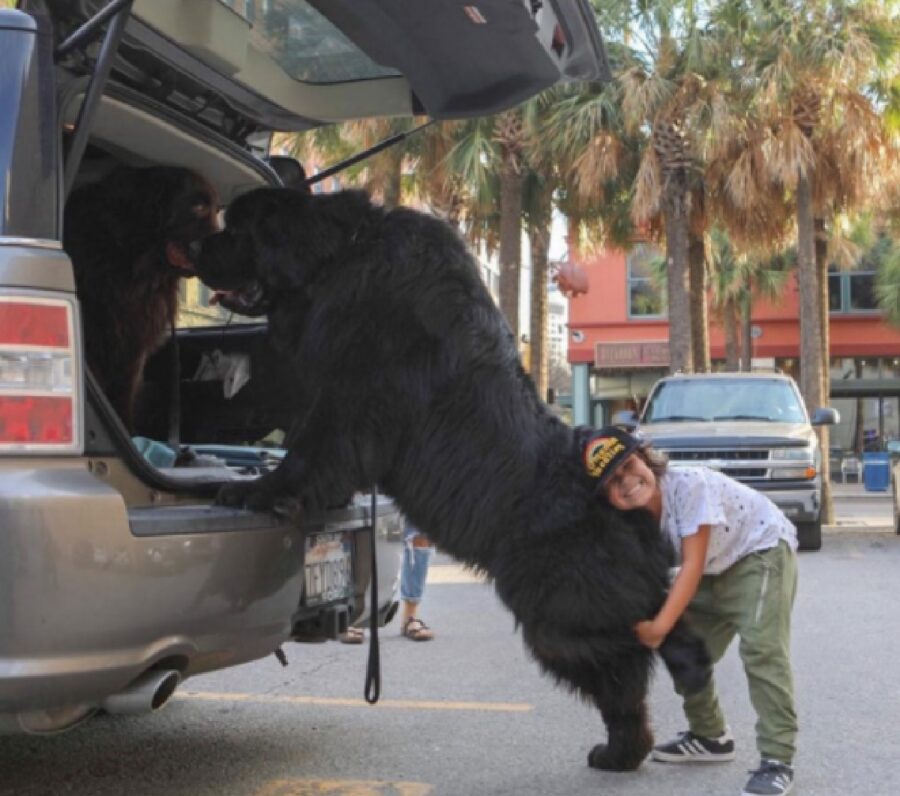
pixel 651 633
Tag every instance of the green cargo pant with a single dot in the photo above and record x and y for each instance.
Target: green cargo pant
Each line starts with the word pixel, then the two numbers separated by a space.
pixel 751 599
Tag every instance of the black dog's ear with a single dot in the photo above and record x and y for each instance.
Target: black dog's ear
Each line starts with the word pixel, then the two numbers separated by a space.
pixel 332 225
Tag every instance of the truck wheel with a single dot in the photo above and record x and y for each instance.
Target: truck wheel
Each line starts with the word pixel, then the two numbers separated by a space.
pixel 809 535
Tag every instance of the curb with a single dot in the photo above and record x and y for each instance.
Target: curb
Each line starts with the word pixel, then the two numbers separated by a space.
pixel 861 496
pixel 858 528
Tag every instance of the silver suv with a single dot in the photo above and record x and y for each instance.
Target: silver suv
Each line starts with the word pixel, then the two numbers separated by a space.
pixel 119 577
pixel 751 426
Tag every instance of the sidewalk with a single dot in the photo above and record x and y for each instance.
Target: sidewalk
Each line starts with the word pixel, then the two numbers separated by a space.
pixel 859 510
pixel 854 490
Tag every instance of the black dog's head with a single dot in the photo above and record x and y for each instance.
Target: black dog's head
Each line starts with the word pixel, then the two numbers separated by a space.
pixel 237 262
pixel 274 241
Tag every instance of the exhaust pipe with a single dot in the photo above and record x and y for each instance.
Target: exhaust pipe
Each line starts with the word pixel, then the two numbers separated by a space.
pixel 148 693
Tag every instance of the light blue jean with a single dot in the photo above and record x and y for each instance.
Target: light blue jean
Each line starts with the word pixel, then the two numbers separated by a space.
pixel 415 566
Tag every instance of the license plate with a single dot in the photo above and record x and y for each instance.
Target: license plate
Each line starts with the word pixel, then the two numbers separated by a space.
pixel 328 570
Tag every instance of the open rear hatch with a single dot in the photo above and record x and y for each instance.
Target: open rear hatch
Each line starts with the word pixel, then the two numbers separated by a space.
pixel 297 64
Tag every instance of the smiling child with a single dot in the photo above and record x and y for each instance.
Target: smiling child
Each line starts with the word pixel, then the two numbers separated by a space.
pixel 738 577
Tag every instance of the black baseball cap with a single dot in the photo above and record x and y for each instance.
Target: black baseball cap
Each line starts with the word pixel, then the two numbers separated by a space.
pixel 605 449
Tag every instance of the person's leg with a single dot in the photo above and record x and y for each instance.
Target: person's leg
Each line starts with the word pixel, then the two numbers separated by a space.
pixel 708 738
pixel 768 584
pixel 705 617
pixel 417 552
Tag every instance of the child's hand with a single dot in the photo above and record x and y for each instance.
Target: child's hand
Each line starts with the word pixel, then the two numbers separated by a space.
pixel 649 634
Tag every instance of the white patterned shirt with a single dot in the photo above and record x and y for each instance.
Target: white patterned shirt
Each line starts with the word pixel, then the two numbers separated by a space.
pixel 741 520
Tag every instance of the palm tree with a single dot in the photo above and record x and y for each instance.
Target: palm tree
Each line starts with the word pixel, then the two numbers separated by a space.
pixel 816 63
pixel 510 137
pixel 538 203
pixel 670 93
pixel 489 158
pixel 727 285
pixel 739 277
pixel 584 163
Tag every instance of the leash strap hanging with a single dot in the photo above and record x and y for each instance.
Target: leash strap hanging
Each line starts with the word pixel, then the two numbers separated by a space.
pixel 373 667
pixel 174 436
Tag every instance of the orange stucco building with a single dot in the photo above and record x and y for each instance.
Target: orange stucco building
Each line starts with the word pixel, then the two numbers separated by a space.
pixel 618 345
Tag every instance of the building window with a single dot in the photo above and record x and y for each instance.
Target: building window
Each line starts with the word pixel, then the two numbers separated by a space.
pixel 645 298
pixel 851 291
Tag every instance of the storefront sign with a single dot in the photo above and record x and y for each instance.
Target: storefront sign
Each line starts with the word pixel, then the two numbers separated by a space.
pixel 654 353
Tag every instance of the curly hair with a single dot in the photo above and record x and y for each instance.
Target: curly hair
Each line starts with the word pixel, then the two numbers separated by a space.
pixel 656 460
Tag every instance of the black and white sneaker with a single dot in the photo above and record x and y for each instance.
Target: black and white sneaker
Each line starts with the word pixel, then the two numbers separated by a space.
pixel 691 748
pixel 770 779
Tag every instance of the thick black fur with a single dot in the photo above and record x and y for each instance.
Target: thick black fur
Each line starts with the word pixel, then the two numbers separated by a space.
pixel 128 235
pixel 412 382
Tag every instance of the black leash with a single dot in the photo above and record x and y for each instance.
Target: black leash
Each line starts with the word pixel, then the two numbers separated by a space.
pixel 373 667
pixel 174 435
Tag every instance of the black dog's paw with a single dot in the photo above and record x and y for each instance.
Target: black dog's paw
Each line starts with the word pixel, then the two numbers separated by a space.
pixel 601 757
pixel 245 495
pixel 288 507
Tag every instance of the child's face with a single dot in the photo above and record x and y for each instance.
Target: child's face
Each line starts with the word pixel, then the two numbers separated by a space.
pixel 632 485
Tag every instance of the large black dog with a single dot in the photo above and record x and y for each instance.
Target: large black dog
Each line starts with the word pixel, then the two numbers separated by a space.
pixel 412 381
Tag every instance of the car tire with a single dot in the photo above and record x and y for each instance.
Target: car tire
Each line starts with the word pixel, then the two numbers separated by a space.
pixel 809 535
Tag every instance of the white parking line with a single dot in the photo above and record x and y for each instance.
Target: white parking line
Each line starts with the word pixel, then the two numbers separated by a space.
pixel 388 704
pixel 342 787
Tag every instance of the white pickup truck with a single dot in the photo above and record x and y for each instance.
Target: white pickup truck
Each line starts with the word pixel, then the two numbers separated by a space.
pixel 750 426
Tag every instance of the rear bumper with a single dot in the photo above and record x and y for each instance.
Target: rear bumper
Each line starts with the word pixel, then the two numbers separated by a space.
pixel 92 594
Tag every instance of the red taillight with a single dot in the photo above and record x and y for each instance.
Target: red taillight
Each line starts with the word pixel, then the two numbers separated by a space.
pixel 39 390
pixel 22 323
pixel 41 419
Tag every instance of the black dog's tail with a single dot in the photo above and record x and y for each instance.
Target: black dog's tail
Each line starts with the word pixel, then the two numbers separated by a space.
pixel 687 659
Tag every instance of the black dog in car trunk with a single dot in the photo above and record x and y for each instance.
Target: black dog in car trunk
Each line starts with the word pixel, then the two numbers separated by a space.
pixel 412 381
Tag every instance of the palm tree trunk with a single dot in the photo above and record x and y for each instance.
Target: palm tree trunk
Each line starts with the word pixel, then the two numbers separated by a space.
pixel 676 210
pixel 699 310
pixel 747 325
pixel 393 165
pixel 732 351
pixel 810 295
pixel 539 239
pixel 821 248
pixel 511 182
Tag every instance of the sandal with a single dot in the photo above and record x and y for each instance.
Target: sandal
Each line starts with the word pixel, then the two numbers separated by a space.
pixel 416 630
pixel 353 635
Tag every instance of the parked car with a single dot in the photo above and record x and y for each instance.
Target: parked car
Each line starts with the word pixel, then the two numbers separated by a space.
pixel 893 449
pixel 750 426
pixel 119 577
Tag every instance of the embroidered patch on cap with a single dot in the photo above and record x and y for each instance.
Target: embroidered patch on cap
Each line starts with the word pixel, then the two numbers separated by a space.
pixel 600 452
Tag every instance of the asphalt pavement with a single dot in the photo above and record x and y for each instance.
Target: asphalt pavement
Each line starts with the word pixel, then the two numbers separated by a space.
pixel 469 713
